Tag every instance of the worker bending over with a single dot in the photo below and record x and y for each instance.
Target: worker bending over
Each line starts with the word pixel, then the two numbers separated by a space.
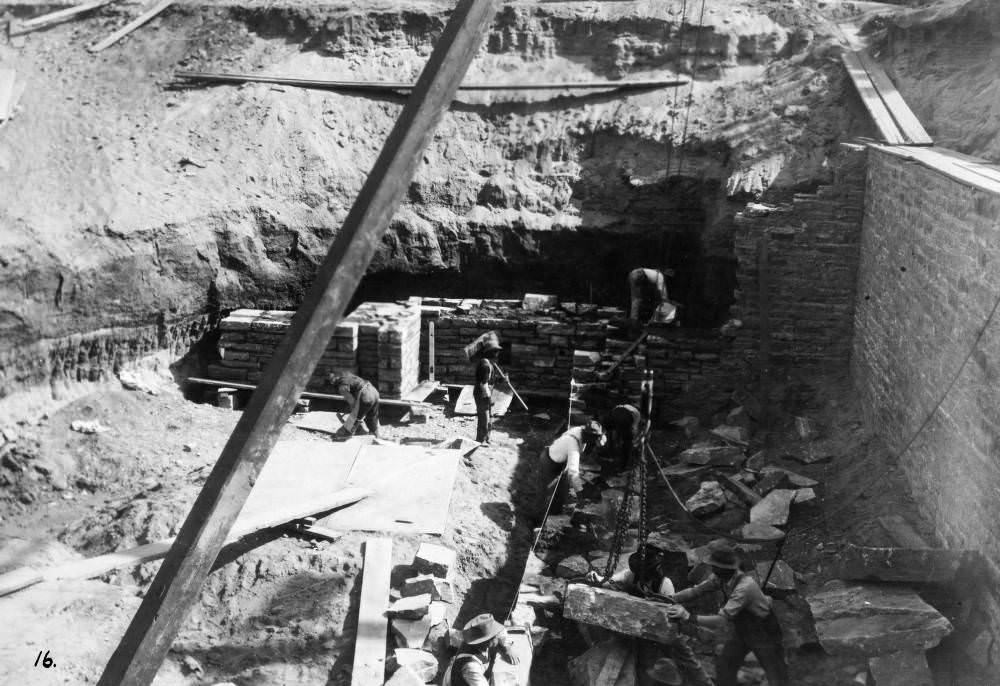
pixel 564 456
pixel 648 288
pixel 647 578
pixel 363 399
pixel 747 612
pixel 484 639
pixel 482 392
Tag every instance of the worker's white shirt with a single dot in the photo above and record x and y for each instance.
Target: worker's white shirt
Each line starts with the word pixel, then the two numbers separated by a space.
pixel 627 578
pixel 566 450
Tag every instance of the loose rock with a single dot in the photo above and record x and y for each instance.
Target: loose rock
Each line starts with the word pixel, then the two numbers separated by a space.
pixel 422 663
pixel 773 509
pixel 716 456
pixel 709 498
pixel 572 567
pixel 413 607
pixel 404 676
pixel 435 560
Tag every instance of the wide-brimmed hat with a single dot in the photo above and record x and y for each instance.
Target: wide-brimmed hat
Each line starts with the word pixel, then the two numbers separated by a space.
pixel 653 554
pixel 480 629
pixel 722 555
pixel 664 671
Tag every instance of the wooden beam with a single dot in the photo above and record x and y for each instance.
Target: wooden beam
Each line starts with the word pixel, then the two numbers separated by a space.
pixel 392 402
pixel 368 668
pixel 131 26
pixel 178 582
pixel 871 99
pixel 430 350
pixel 909 126
pixel 53 18
pixel 323 84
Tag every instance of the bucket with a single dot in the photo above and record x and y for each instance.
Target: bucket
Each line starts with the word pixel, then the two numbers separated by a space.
pixel 488 341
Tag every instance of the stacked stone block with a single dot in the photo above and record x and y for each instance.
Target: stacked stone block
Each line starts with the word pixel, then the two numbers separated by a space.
pixel 377 341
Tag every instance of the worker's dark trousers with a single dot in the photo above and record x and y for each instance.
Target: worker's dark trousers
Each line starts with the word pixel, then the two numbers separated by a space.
pixel 763 638
pixel 620 439
pixel 484 418
pixel 682 655
pixel 368 400
pixel 552 486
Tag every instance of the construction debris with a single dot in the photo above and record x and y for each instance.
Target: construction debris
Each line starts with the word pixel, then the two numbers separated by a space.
pixel 865 620
pixel 619 612
pixel 411 607
pixel 773 509
pixel 435 560
pixel 436 587
pixel 423 664
pixel 131 26
pixel 716 456
pixel 794 479
pixel 572 567
pixel 710 498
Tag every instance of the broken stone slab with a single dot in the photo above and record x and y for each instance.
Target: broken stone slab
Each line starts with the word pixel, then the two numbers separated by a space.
pixel 926 565
pixel 572 567
pixel 404 676
pixel 867 620
pixel 411 633
pixel 715 456
pixel 619 612
pixel 734 434
pixel 804 495
pixel 740 489
pixel 413 607
pixel 761 530
pixel 908 668
pixel 423 664
pixel 794 479
pixel 435 560
pixel 773 509
pixel 709 498
pixel 770 481
pixel 439 589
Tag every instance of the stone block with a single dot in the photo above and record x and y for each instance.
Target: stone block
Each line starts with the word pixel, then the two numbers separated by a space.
pixel 761 531
pixel 534 302
pixel 773 509
pixel 927 565
pixel 422 663
pixel 865 620
pixel 404 676
pixel 716 456
pixel 782 579
pixel 412 607
pixel 710 498
pixel 411 633
pixel 619 612
pixel 906 668
pixel 572 567
pixel 772 480
pixel 735 434
pixel 438 588
pixel 435 560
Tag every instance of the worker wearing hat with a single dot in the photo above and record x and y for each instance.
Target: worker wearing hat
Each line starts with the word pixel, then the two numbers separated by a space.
pixel 483 640
pixel 747 610
pixel 563 457
pixel 482 391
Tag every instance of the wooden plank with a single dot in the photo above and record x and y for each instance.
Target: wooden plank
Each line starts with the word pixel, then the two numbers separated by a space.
pixel 870 97
pixel 178 582
pixel 373 625
pixel 19 578
pixel 466 404
pixel 422 390
pixel 391 402
pixel 131 26
pixel 902 532
pixel 53 18
pixel 909 126
pixel 210 77
pixel 7 80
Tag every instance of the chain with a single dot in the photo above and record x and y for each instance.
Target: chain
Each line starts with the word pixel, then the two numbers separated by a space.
pixel 621 526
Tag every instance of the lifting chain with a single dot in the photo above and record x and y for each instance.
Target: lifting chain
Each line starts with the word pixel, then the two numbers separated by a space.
pixel 637 472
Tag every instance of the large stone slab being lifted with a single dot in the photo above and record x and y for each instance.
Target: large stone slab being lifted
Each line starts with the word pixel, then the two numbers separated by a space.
pixel 869 620
pixel 619 612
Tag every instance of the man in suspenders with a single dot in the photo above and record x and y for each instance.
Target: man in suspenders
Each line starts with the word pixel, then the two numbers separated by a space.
pixel 483 640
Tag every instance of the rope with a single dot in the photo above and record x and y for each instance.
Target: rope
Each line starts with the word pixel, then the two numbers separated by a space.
pixel 690 97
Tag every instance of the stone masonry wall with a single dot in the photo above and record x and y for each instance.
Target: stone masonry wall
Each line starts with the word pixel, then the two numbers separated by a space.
pixel 378 341
pixel 928 281
pixel 809 250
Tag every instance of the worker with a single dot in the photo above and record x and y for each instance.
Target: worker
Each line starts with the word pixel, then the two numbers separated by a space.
pixel 484 639
pixel 623 426
pixel 646 577
pixel 664 671
pixel 564 456
pixel 363 399
pixel 482 392
pixel 747 612
pixel 648 288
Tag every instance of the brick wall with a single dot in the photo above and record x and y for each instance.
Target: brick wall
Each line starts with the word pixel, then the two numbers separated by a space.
pixel 928 279
pixel 809 249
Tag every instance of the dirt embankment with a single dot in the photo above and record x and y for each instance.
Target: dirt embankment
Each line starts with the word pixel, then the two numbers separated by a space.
pixel 126 201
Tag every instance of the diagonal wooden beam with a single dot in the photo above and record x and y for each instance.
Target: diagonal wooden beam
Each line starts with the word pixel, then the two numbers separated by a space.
pixel 180 577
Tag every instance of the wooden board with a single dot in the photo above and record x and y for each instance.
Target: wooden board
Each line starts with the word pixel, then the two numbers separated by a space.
pixel 305 394
pixel 422 391
pixel 323 422
pixel 373 625
pixel 466 404
pixel 131 26
pixel 873 102
pixel 909 126
pixel 52 18
pixel 412 490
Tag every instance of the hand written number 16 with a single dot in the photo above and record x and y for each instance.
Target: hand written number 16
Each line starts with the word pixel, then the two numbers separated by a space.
pixel 47 661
